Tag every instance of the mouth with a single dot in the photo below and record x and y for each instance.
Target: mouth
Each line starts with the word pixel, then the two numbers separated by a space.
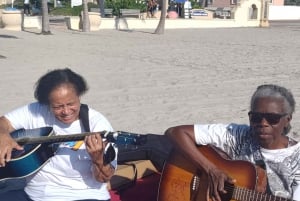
pixel 262 135
pixel 67 118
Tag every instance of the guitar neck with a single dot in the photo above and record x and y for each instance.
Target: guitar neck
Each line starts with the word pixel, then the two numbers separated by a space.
pixel 119 137
pixel 249 195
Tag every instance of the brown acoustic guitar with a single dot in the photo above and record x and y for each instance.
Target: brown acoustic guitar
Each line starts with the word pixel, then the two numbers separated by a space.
pixel 182 181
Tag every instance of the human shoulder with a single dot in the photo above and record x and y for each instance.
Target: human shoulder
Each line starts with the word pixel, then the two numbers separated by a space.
pixel 231 129
pixel 34 107
pixel 222 126
pixel 221 133
pixel 94 113
pixel 29 115
pixel 98 121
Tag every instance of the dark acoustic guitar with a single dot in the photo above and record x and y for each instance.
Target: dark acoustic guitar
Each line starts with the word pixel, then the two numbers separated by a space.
pixel 182 181
pixel 37 148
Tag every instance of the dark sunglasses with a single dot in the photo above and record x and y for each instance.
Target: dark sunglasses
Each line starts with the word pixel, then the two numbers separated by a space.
pixel 271 118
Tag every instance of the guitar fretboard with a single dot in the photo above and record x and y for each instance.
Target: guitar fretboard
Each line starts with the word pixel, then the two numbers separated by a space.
pixel 243 194
pixel 118 137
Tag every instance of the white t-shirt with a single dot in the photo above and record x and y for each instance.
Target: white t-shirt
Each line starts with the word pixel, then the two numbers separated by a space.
pixel 67 175
pixel 282 165
pixel 187 5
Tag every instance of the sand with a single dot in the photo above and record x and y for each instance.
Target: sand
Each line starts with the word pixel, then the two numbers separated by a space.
pixel 145 83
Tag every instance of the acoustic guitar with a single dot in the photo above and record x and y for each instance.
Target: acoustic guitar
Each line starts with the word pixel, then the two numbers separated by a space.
pixel 38 150
pixel 182 181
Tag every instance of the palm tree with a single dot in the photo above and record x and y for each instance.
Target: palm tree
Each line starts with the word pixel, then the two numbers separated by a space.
pixel 45 18
pixel 85 17
pixel 160 29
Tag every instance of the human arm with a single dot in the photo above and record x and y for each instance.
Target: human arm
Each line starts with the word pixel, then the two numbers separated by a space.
pixel 95 147
pixel 7 143
pixel 183 138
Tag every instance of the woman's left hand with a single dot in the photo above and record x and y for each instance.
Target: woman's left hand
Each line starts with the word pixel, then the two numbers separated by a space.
pixel 95 147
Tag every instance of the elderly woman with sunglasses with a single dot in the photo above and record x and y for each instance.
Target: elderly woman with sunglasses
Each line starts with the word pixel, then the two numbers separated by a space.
pixel 265 143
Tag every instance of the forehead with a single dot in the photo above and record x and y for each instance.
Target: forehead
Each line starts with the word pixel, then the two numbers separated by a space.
pixel 62 93
pixel 64 87
pixel 269 105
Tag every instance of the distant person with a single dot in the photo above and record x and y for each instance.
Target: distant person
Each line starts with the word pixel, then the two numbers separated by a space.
pixel 151 7
pixel 26 7
pixel 187 9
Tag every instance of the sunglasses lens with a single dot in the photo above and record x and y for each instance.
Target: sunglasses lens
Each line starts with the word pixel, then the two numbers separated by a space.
pixel 272 119
pixel 255 117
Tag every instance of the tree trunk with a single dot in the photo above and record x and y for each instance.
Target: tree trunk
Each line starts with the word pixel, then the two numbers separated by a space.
pixel 45 18
pixel 160 29
pixel 85 17
pixel 204 3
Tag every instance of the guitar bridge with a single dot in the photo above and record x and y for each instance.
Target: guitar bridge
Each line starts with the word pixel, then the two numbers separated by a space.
pixel 194 187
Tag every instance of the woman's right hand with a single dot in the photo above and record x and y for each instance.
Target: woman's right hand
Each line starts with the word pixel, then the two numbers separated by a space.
pixel 7 144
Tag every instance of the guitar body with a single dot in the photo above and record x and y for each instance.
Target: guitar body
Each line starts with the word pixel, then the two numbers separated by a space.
pixel 182 181
pixel 34 156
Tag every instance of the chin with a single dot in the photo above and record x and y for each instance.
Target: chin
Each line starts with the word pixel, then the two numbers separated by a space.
pixel 67 121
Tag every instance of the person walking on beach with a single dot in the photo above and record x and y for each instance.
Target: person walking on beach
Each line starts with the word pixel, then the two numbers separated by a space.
pixel 26 7
pixel 77 171
pixel 187 9
pixel 265 143
pixel 151 7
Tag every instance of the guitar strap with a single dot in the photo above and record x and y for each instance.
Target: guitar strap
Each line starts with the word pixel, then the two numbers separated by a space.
pixel 257 156
pixel 84 118
pixel 258 159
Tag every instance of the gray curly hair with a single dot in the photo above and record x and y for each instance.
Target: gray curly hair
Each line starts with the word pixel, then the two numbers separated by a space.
pixel 278 92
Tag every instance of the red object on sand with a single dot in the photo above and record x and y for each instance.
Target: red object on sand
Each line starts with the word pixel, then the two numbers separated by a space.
pixel 172 15
pixel 145 189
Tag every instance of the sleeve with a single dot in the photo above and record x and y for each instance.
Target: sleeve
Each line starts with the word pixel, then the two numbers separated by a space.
pixel 30 116
pixel 20 117
pixel 220 135
pixel 210 134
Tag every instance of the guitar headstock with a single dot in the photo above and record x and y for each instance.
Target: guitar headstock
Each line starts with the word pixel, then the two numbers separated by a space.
pixel 126 138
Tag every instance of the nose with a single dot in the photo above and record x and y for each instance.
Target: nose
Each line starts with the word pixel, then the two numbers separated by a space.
pixel 264 121
pixel 65 110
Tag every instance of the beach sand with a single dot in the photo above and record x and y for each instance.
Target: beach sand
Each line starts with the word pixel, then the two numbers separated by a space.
pixel 145 83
